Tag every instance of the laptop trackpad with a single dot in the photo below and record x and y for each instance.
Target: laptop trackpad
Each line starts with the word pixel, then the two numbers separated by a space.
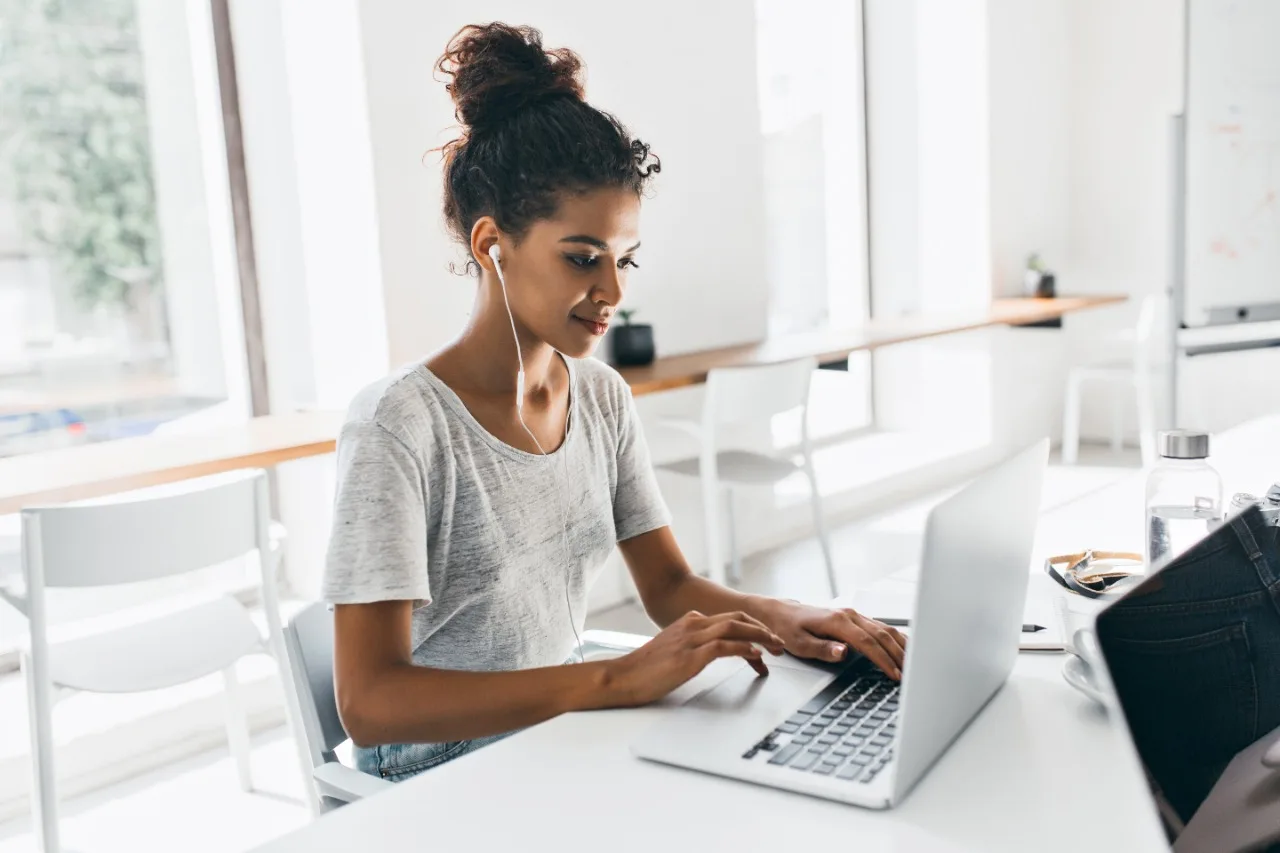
pixel 718 725
pixel 776 695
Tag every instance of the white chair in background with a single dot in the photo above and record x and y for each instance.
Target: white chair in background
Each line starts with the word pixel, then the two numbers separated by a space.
pixel 1136 373
pixel 147 538
pixel 742 396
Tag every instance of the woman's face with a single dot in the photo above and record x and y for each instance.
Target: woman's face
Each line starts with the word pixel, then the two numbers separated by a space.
pixel 567 276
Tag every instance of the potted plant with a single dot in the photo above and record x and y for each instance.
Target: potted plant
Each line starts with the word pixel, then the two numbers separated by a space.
pixel 1038 281
pixel 631 344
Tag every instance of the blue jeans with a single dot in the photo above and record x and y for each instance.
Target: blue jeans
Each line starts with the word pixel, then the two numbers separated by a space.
pixel 400 761
pixel 1194 652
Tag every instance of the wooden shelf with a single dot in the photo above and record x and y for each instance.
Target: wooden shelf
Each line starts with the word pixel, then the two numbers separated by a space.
pixel 93 470
pixel 827 345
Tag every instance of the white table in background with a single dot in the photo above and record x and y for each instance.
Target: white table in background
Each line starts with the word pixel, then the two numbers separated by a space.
pixel 1041 768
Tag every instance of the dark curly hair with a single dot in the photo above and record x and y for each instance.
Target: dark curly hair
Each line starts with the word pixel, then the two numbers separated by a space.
pixel 528 137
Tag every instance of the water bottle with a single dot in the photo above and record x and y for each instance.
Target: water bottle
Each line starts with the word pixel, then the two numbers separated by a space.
pixel 1184 495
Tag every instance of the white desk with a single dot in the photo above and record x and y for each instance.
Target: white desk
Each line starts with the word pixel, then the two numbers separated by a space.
pixel 1040 769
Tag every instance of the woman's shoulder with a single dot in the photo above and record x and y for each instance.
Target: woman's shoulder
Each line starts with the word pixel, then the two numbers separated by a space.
pixel 603 384
pixel 403 403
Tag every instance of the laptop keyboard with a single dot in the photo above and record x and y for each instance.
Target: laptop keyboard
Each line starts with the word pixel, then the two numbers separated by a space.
pixel 847 730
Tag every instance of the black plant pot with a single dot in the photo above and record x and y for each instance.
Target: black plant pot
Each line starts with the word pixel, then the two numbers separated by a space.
pixel 1048 286
pixel 631 345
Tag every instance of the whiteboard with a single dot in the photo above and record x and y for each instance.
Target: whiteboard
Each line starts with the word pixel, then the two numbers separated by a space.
pixel 1232 203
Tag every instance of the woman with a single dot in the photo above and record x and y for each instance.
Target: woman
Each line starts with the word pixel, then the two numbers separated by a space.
pixel 480 493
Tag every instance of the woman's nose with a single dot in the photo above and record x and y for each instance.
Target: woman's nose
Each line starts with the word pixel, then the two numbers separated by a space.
pixel 609 288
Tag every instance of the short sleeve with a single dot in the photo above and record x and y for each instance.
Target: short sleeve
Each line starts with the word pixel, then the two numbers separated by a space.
pixel 378 545
pixel 638 506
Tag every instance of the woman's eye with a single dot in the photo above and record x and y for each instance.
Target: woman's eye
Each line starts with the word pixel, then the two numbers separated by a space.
pixel 628 262
pixel 582 261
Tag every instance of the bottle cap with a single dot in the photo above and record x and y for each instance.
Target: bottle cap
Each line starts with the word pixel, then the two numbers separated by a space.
pixel 1183 444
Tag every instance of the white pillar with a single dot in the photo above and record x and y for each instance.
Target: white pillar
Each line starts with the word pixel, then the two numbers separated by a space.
pixel 193 208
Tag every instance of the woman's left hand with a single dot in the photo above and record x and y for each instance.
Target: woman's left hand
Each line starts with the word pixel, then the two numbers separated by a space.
pixel 824 634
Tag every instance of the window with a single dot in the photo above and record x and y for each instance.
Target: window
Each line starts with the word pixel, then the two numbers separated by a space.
pixel 119 299
pixel 812 120
pixel 117 288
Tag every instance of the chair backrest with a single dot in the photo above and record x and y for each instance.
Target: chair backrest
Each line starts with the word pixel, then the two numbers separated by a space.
pixel 739 395
pixel 308 640
pixel 1147 315
pixel 148 536
pixel 1145 346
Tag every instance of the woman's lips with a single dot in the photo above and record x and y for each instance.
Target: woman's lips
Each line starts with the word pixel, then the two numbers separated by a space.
pixel 594 327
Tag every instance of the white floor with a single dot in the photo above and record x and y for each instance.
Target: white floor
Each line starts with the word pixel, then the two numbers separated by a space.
pixel 195 805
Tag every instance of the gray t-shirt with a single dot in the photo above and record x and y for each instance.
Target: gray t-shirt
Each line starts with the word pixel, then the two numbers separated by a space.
pixel 433 508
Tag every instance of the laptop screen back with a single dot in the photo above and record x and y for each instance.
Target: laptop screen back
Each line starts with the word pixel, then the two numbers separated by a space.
pixel 1190 652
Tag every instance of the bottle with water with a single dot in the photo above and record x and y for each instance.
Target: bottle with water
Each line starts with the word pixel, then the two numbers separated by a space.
pixel 1184 495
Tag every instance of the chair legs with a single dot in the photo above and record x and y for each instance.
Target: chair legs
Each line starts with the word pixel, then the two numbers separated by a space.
pixel 1143 396
pixel 1146 420
pixel 711 497
pixel 735 552
pixel 237 727
pixel 820 527
pixel 711 528
pixel 44 793
pixel 1071 422
pixel 297 729
pixel 1117 420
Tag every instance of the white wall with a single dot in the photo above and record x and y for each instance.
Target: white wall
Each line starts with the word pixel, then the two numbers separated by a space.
pixel 694 103
pixel 1029 61
pixel 1081 92
pixel 1126 83
pixel 1030 83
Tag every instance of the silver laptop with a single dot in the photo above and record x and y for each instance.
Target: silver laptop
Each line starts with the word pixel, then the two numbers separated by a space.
pixel 849 733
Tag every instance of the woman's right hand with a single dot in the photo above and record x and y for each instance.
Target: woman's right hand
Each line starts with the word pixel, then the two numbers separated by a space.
pixel 681 651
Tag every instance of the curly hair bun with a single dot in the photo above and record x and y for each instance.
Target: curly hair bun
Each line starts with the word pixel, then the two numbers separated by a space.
pixel 493 71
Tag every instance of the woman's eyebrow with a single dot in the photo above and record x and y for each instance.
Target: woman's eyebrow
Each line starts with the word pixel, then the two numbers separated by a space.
pixel 590 241
pixel 594 241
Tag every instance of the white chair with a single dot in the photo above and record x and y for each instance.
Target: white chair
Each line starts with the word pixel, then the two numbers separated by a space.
pixel 134 539
pixel 1136 373
pixel 739 396
pixel 308 640
pixel 10 547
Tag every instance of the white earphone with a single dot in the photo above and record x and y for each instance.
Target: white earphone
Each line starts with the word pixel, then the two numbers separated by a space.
pixel 495 254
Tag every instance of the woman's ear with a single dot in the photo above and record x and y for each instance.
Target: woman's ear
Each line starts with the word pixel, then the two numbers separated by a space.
pixel 484 236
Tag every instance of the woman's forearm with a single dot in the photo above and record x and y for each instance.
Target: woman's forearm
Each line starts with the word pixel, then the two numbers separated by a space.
pixel 686 591
pixel 669 589
pixel 412 704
